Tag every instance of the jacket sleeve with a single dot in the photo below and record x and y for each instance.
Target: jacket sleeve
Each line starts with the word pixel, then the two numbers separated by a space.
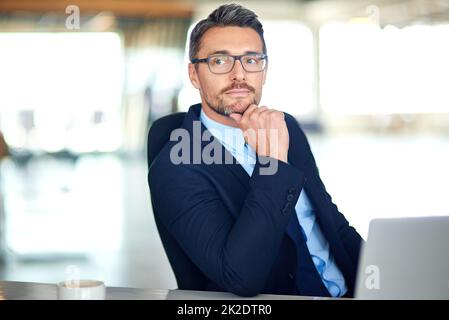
pixel 235 254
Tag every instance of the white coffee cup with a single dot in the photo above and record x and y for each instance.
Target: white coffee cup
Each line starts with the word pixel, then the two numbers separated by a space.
pixel 81 290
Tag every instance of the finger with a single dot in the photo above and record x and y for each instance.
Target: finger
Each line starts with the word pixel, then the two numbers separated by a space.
pixel 262 109
pixel 237 117
pixel 261 116
pixel 262 112
pixel 260 119
pixel 247 114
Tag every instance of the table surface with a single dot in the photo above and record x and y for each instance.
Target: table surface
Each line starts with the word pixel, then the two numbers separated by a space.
pixel 12 290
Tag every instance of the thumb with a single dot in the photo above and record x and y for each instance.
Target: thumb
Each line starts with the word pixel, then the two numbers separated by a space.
pixel 236 117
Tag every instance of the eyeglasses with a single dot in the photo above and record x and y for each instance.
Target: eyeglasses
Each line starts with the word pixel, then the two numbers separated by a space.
pixel 224 63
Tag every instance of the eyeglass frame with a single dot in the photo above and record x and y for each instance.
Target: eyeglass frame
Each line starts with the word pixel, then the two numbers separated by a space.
pixel 238 57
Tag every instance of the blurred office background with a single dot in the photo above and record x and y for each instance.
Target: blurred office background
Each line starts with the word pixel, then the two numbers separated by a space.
pixel 368 80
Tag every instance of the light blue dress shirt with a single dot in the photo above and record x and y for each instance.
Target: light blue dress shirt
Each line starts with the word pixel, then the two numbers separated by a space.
pixel 232 139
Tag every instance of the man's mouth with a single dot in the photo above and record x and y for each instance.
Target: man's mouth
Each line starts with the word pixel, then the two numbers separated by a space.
pixel 237 93
pixel 238 90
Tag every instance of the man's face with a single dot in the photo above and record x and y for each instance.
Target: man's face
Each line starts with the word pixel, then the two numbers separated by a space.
pixel 234 91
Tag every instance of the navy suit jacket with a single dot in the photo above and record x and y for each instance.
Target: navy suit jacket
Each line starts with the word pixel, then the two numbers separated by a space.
pixel 224 230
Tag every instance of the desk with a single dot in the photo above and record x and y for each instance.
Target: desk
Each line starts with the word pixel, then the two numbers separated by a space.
pixel 11 290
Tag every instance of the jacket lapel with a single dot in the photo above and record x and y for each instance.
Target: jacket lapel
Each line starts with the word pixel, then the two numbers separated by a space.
pixel 228 165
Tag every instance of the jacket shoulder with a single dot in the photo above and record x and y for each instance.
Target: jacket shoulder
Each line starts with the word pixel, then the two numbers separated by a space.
pixel 295 130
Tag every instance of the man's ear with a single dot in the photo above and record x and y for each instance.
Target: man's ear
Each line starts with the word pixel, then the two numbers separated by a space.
pixel 193 75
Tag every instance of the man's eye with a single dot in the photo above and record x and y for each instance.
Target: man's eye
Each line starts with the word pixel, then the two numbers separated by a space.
pixel 251 61
pixel 219 61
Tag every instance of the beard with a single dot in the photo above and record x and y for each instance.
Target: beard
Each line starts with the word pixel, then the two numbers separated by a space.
pixel 219 105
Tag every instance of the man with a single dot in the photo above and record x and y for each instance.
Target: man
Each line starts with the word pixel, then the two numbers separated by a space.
pixel 242 226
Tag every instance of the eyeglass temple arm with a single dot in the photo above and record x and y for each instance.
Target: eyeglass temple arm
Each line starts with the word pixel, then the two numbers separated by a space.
pixel 198 60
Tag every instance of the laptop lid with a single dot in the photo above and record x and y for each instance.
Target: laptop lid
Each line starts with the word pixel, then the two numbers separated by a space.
pixel 405 258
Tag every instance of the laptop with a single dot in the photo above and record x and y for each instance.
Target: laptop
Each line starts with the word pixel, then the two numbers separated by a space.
pixel 405 258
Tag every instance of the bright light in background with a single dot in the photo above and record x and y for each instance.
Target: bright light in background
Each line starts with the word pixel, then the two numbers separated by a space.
pixel 289 85
pixel 62 207
pixel 65 81
pixel 369 70
pixel 155 70
pixel 188 95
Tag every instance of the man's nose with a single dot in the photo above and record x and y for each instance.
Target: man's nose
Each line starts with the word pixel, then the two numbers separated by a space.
pixel 237 72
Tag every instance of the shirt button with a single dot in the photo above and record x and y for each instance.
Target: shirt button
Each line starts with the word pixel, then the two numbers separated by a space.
pixel 292 190
pixel 290 197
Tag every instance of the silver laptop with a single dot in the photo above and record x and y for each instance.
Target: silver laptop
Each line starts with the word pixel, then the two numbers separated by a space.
pixel 405 258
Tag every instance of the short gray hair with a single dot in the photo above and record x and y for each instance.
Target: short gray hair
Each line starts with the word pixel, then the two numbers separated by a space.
pixel 225 15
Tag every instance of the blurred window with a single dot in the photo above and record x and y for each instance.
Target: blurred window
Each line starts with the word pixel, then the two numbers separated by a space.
pixel 369 70
pixel 61 91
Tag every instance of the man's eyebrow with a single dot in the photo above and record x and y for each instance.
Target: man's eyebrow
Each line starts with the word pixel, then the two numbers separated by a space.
pixel 219 52
pixel 227 52
pixel 252 52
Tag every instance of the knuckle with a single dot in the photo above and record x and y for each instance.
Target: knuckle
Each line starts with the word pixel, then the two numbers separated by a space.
pixel 254 116
pixel 277 115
